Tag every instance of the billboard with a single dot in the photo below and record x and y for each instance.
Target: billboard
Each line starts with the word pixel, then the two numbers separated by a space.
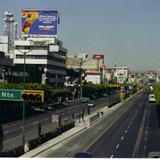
pixel 39 22
pixel 98 56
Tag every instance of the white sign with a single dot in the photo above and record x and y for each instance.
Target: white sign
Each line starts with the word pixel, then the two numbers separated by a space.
pixel 55 118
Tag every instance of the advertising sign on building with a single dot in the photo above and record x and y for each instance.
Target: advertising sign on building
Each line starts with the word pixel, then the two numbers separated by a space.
pixel 98 56
pixel 39 22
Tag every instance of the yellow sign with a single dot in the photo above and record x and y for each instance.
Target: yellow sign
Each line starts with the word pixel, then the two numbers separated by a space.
pixel 34 92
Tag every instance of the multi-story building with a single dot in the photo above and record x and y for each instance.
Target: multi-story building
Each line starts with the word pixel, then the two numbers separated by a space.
pixel 38 55
pixel 45 59
pixel 120 74
pixel 4 47
pixel 93 68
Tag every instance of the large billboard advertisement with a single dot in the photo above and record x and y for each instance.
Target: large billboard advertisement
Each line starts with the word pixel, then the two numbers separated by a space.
pixel 39 22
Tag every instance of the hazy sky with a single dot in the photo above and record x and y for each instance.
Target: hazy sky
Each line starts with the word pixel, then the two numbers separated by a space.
pixel 125 31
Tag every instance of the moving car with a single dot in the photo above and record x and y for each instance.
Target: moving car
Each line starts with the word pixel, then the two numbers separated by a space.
pixel 91 104
pixel 152 98
pixel 83 155
pixel 154 154
pixel 85 100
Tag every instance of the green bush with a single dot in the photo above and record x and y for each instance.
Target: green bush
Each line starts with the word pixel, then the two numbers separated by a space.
pixel 34 142
pixel 156 91
pixel 15 152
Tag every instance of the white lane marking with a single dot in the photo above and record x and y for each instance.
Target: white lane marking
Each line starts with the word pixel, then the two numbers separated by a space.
pixel 117 146
pixel 146 132
pixel 122 137
pixel 112 156
pixel 45 119
pixel 6 132
pixel 144 147
pixel 125 131
pixel 35 122
pixel 130 122
pixel 145 138
pixel 128 126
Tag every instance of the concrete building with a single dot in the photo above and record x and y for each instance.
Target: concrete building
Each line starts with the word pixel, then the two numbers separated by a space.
pixel 46 55
pixel 4 47
pixel 93 69
pixel 38 48
pixel 120 74
pixel 109 75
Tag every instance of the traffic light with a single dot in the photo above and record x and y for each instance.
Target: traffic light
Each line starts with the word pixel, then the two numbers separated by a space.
pixel 33 96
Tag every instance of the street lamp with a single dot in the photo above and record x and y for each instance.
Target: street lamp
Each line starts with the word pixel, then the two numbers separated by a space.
pixel 24 81
pixel 81 62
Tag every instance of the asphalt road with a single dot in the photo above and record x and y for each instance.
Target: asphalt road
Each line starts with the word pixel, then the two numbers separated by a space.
pixel 151 133
pixel 132 131
pixel 12 132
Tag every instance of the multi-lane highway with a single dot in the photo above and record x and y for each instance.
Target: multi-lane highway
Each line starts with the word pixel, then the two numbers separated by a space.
pixel 131 131
pixel 12 132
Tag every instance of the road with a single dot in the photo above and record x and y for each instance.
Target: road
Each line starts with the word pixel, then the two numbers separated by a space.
pixel 132 131
pixel 12 132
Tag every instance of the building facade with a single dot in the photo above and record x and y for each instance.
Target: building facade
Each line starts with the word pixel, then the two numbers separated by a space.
pixel 46 56
pixel 120 74
pixel 93 69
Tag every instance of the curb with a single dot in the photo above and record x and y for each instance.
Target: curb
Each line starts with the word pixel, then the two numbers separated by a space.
pixel 51 145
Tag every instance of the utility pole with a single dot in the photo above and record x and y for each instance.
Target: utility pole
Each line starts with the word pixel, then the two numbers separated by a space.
pixel 81 62
pixel 24 81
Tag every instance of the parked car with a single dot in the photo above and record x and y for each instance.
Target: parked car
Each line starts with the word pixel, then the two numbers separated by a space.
pixel 91 104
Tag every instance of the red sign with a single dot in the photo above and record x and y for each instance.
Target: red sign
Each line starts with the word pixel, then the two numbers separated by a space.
pixel 98 56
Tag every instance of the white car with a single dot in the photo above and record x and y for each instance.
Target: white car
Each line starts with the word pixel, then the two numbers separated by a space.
pixel 154 154
pixel 152 98
pixel 91 104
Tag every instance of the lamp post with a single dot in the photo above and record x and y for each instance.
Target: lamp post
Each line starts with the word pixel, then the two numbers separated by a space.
pixel 80 82
pixel 25 145
pixel 81 62
pixel 24 81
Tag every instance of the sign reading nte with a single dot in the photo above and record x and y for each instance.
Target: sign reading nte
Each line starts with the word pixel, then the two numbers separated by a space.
pixel 10 95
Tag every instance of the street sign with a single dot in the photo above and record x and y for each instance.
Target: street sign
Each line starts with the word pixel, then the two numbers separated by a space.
pixel 10 95
pixel 33 95
pixel 55 118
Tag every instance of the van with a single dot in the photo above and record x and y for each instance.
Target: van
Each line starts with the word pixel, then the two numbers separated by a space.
pixel 152 98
